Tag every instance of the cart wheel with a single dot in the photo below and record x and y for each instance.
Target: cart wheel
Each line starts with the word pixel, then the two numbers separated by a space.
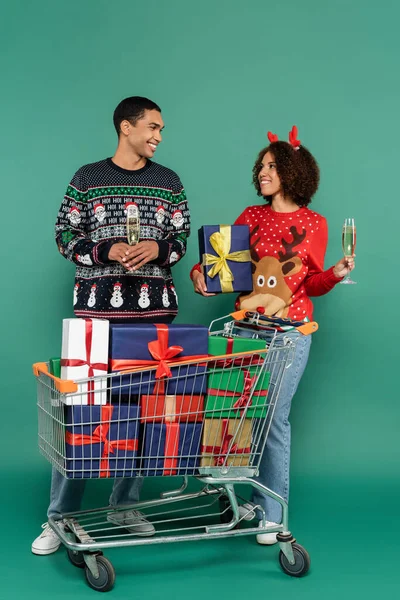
pixel 76 558
pixel 302 561
pixel 106 579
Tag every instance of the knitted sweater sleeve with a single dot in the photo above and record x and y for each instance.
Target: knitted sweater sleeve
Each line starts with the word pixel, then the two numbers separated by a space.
pixel 70 230
pixel 319 282
pixel 173 247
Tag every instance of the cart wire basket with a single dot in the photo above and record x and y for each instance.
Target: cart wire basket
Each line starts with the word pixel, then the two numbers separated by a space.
pixel 127 425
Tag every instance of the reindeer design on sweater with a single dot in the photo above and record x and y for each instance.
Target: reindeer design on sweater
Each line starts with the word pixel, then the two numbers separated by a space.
pixel 270 289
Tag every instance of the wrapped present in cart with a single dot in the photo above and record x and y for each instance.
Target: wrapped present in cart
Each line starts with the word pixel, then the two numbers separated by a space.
pixel 204 415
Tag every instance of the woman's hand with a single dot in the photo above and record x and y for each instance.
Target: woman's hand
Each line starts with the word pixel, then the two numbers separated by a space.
pixel 344 266
pixel 199 284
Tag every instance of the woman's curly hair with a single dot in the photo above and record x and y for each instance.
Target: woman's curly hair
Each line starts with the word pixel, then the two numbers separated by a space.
pixel 297 169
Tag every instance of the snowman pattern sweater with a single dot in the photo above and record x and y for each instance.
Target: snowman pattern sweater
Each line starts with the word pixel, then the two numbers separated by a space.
pixel 288 252
pixel 93 216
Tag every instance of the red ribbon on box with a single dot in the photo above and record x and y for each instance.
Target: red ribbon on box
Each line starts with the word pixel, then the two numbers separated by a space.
pixel 244 399
pixel 72 362
pixel 163 355
pixel 171 448
pixel 222 450
pixel 99 436
pixel 244 361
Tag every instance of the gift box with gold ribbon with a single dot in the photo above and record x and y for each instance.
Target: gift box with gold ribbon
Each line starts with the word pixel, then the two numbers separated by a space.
pixel 225 256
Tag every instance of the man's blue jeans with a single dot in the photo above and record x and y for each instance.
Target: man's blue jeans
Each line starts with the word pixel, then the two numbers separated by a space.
pixel 66 494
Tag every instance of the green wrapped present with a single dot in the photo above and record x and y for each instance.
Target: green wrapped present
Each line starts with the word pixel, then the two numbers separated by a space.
pixel 55 367
pixel 230 384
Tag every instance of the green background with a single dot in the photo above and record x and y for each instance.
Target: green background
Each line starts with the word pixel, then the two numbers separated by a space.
pixel 224 73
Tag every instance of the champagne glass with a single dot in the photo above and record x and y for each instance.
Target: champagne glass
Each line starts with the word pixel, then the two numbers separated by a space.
pixel 349 237
pixel 132 225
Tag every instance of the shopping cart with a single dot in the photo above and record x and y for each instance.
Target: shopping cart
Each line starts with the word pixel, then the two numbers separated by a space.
pixel 217 437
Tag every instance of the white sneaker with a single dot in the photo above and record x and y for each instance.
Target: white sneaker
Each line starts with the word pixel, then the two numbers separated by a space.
pixel 267 539
pixel 47 542
pixel 132 520
pixel 246 512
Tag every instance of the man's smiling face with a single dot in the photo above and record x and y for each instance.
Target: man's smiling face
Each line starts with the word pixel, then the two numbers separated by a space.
pixel 144 137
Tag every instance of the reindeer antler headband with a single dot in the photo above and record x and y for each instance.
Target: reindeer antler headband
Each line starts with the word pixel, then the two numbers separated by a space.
pixel 293 141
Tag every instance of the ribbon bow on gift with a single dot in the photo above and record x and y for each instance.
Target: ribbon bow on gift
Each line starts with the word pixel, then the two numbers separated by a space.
pixel 226 440
pixel 99 436
pixel 161 352
pixel 244 401
pixel 221 243
pixel 221 452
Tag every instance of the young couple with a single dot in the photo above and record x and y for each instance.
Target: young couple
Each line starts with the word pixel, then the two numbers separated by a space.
pixel 126 283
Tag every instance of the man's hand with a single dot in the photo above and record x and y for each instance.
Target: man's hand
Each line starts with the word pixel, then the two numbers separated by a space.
pixel 118 252
pixel 140 254
pixel 199 284
pixel 344 266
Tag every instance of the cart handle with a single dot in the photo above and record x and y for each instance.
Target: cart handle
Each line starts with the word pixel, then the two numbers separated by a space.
pixel 306 328
pixel 65 386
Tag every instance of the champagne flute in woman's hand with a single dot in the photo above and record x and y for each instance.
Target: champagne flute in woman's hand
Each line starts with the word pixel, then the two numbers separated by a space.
pixel 348 243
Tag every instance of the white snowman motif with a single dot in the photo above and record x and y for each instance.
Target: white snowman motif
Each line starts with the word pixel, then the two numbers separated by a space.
pixel 84 259
pixel 160 215
pixel 76 290
pixel 116 298
pixel 177 219
pixel 173 257
pixel 144 300
pixel 165 298
pixel 92 297
pixel 74 216
pixel 173 290
pixel 100 212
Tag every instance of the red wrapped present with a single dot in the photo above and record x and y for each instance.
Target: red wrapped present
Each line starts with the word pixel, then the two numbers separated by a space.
pixel 159 408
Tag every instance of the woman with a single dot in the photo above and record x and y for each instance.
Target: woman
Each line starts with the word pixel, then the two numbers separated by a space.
pixel 288 244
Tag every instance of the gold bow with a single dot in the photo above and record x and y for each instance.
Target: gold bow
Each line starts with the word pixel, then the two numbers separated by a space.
pixel 221 243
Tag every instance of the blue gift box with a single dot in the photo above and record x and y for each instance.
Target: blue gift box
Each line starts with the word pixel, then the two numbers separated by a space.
pixel 171 449
pixel 234 274
pixel 130 347
pixel 101 441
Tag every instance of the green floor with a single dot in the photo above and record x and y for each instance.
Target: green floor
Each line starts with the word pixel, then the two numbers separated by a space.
pixel 350 528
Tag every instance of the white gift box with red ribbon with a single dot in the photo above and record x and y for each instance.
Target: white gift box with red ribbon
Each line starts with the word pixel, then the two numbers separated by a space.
pixel 84 355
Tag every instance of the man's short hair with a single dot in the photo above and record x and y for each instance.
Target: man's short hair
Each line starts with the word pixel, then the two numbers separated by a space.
pixel 132 109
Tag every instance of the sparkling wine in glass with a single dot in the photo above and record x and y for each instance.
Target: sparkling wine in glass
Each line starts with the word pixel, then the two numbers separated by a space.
pixel 349 237
pixel 133 224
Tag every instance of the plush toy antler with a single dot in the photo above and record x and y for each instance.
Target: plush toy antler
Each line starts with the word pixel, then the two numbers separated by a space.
pixel 272 137
pixel 293 141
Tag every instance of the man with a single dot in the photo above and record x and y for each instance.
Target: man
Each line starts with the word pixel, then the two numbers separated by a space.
pixel 112 276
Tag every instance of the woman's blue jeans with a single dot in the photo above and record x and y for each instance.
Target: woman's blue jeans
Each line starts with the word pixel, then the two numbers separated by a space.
pixel 275 460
